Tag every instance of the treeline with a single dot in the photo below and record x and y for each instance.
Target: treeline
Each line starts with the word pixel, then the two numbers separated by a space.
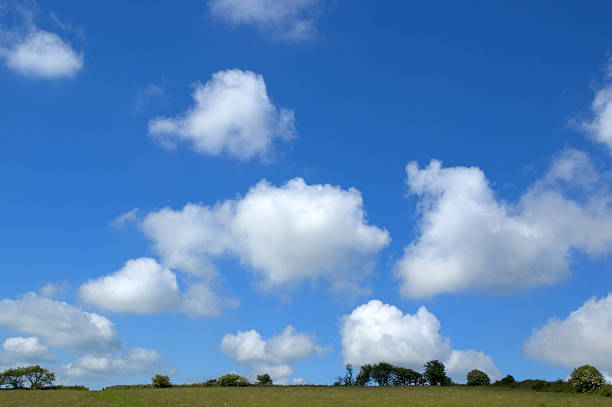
pixel 385 374
pixel 584 379
pixel 32 377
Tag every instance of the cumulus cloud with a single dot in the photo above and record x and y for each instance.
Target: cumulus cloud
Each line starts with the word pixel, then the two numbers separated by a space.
pixel 137 360
pixel 232 115
pixel 469 238
pixel 24 350
pixel 42 54
pixel 286 234
pixel 284 19
pixel 377 332
pixel 143 286
pixel 600 126
pixel 274 355
pixel 59 324
pixel 582 338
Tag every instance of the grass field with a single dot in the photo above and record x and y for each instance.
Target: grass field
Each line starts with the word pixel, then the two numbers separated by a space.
pixel 299 396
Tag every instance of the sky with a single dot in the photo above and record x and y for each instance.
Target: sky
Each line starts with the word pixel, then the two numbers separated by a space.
pixel 287 186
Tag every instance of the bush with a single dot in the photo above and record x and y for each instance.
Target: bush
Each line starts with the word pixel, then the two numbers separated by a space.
pixel 161 381
pixel 506 381
pixel 264 379
pixel 435 373
pixel 232 379
pixel 478 378
pixel 586 379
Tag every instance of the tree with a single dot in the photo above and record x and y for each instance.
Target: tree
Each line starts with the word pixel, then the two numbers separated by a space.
pixel 264 379
pixel 435 374
pixel 365 375
pixel 478 378
pixel 37 376
pixel 348 376
pixel 13 378
pixel 232 379
pixel 586 379
pixel 405 377
pixel 161 381
pixel 382 373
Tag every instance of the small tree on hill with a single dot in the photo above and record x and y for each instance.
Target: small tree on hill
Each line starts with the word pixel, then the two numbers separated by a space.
pixel 405 377
pixel 382 373
pixel 264 379
pixel 232 379
pixel 365 375
pixel 435 373
pixel 478 378
pixel 586 379
pixel 161 381
pixel 13 378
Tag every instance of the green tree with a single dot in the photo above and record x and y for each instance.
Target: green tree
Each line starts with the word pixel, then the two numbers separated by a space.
pixel 435 373
pixel 506 381
pixel 232 379
pixel 478 378
pixel 382 373
pixel 37 377
pixel 264 379
pixel 13 378
pixel 405 377
pixel 586 379
pixel 365 375
pixel 161 381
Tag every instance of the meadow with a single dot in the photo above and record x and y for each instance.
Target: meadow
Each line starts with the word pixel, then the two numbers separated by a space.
pixel 294 396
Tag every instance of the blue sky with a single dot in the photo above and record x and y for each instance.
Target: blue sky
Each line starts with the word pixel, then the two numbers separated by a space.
pixel 287 128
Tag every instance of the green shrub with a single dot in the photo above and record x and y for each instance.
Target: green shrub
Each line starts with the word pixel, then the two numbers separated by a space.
pixel 264 379
pixel 161 381
pixel 586 379
pixel 478 378
pixel 232 379
pixel 435 373
pixel 506 381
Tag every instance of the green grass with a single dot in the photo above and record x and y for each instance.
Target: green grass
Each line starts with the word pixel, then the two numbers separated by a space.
pixel 299 396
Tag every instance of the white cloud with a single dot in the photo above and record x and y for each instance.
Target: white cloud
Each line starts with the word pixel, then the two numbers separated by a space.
pixel 143 286
pixel 377 332
pixel 59 324
pixel 42 54
pixel 287 234
pixel 284 19
pixel 126 217
pixel 471 239
pixel 273 356
pixel 600 127
pixel 232 115
pixel 582 338
pixel 137 360
pixel 25 350
pixel 55 290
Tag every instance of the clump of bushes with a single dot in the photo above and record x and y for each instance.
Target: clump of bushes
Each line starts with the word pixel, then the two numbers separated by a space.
pixel 478 378
pixel 586 379
pixel 232 379
pixel 264 380
pixel 161 381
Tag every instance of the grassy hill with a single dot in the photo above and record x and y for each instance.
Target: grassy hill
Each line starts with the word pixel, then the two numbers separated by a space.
pixel 296 396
